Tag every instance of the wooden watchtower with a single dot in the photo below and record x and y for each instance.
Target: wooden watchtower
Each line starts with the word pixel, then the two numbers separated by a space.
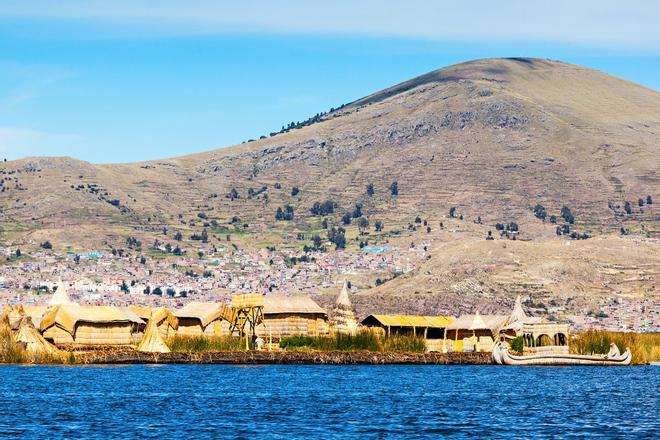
pixel 248 314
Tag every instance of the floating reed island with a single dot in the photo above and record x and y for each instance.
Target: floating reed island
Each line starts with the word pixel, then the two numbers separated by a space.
pixel 292 329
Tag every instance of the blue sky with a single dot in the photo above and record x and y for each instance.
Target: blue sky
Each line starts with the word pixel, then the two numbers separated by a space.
pixel 133 82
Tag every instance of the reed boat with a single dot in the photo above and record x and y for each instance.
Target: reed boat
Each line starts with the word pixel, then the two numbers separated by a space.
pixel 502 356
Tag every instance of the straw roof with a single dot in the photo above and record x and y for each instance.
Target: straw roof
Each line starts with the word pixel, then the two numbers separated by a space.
pixel 343 316
pixel 409 321
pixel 206 312
pixel 61 295
pixel 297 304
pixel 518 318
pixel 36 313
pixel 343 300
pixel 152 341
pixel 67 316
pixel 34 342
pixel 14 315
pixel 132 316
pixel 517 314
pixel 478 322
pixel 247 300
pixel 144 312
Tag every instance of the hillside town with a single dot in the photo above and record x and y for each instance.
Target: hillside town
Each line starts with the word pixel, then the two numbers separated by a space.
pixel 98 278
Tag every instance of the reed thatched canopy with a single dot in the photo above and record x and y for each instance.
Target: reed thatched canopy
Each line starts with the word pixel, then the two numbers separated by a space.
pixel 518 318
pixel 30 337
pixel 478 322
pixel 295 305
pixel 61 295
pixel 408 321
pixel 14 315
pixel 36 313
pixel 152 341
pixel 68 316
pixel 205 312
pixel 144 312
pixel 430 327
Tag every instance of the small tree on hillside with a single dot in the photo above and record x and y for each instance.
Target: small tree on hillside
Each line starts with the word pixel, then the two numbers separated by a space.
pixel 357 212
pixel 346 219
pixel 627 207
pixel 540 212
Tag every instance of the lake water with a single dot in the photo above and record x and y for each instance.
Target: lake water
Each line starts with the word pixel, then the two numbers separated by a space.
pixel 210 401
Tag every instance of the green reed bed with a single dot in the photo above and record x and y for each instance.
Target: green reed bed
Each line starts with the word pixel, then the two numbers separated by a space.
pixel 201 344
pixel 644 347
pixel 366 340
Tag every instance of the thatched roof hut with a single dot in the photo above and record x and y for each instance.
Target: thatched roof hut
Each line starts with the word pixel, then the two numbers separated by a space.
pixel 32 340
pixel 293 315
pixel 429 327
pixel 475 332
pixel 165 327
pixel 61 295
pixel 91 325
pixel 515 322
pixel 203 318
pixel 14 315
pixel 343 317
pixel 153 341
pixel 36 313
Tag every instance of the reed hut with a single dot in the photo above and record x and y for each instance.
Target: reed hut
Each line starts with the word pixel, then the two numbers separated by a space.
pixel 91 325
pixel 516 321
pixel 153 341
pixel 165 327
pixel 36 313
pixel 203 319
pixel 431 328
pixel 297 315
pixel 473 332
pixel 14 314
pixel 33 342
pixel 61 295
pixel 343 318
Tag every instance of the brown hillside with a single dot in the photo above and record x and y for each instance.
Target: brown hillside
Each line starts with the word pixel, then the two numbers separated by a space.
pixel 490 137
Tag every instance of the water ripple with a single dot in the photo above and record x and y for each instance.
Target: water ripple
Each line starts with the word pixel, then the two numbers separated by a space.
pixel 329 402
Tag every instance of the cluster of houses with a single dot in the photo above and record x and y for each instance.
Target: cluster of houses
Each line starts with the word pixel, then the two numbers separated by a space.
pixel 102 279
pixel 63 322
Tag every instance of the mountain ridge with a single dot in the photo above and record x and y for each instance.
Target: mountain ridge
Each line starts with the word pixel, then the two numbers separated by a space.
pixel 467 117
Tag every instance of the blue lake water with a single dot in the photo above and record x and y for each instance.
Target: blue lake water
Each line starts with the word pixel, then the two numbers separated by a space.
pixel 211 401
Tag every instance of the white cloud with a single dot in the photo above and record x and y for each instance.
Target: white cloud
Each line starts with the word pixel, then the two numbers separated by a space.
pixel 29 80
pixel 631 24
pixel 18 142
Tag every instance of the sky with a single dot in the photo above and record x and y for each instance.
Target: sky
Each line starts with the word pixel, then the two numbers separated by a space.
pixel 126 81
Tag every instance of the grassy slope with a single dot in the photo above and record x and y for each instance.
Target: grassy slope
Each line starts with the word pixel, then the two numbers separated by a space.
pixel 491 137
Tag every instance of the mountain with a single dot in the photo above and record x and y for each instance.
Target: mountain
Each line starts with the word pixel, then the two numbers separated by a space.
pixel 491 138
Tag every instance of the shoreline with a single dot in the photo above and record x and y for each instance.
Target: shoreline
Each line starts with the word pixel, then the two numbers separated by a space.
pixel 283 358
